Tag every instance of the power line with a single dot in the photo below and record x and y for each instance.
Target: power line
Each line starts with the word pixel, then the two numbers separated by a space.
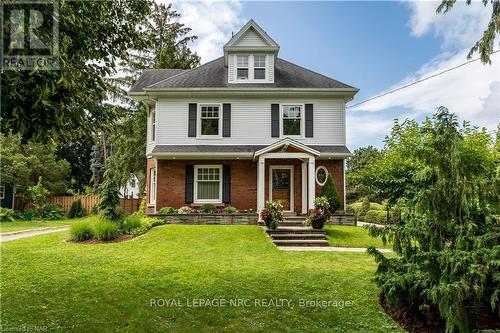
pixel 415 82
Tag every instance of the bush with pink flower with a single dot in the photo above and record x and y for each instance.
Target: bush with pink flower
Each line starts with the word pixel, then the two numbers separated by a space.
pixel 272 214
pixel 317 216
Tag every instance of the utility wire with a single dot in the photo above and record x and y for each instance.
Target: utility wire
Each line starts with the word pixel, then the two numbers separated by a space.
pixel 415 82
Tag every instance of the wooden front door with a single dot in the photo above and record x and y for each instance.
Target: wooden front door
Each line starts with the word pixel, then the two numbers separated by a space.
pixel 281 185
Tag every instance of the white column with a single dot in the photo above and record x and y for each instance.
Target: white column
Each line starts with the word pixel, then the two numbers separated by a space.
pixel 311 182
pixel 260 183
pixel 304 187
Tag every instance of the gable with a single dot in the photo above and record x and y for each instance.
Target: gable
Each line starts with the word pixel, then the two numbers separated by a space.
pixel 251 38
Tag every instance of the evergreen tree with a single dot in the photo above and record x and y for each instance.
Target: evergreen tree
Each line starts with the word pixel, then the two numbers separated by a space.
pixel 330 192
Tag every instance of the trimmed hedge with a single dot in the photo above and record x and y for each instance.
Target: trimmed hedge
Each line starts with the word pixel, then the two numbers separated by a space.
pixel 376 216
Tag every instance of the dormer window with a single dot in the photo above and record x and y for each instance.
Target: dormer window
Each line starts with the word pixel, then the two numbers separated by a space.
pixel 242 67
pixel 259 67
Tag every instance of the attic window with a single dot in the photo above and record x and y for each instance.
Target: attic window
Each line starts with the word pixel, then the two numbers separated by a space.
pixel 242 67
pixel 259 67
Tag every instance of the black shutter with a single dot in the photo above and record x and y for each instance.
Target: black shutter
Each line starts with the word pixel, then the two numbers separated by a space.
pixel 193 110
pixel 309 121
pixel 226 120
pixel 226 183
pixel 189 183
pixel 275 120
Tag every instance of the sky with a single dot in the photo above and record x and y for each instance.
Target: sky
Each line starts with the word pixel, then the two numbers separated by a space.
pixel 375 46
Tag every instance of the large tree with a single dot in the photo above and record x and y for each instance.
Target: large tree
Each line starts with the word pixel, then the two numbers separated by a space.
pixel 355 164
pixel 486 44
pixel 444 181
pixel 94 37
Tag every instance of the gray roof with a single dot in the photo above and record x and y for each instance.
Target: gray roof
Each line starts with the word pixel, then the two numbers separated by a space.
pixel 238 148
pixel 152 76
pixel 214 75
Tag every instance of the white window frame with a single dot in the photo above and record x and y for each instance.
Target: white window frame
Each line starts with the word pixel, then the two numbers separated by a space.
pixel 195 194
pixel 249 59
pixel 2 192
pixel 198 121
pixel 152 115
pixel 321 167
pixel 302 121
pixel 153 181
pixel 259 67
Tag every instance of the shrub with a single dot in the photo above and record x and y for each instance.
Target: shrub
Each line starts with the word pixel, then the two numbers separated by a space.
pixel 38 193
pixel 167 210
pixel 110 198
pixel 131 222
pixel 76 209
pixel 7 214
pixel 105 230
pixel 142 207
pixel 230 210
pixel 330 193
pixel 81 231
pixel 319 214
pixel 207 208
pixel 146 224
pixel 360 208
pixel 49 212
pixel 184 210
pixel 376 216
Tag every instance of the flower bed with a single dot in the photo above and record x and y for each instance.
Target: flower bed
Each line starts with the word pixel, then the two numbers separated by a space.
pixel 208 218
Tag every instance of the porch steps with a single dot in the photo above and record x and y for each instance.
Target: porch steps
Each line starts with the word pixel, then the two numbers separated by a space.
pixel 291 232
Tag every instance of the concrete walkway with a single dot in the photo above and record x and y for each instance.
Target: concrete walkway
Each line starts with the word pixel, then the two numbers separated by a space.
pixel 7 237
pixel 328 249
pixel 362 224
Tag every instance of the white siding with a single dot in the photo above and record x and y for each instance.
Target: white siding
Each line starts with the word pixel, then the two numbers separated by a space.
pixel 149 143
pixel 251 38
pixel 270 67
pixel 250 121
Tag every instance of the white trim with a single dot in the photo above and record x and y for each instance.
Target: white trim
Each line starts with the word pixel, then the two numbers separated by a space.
pixel 321 167
pixel 261 170
pixel 343 181
pixel 152 136
pixel 310 182
pixel 286 167
pixel 199 136
pixel 195 184
pixel 155 192
pixel 2 192
pixel 251 68
pixel 304 187
pixel 287 141
pixel 302 121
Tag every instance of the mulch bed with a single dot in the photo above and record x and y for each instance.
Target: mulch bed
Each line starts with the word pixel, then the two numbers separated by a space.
pixel 119 239
pixel 414 321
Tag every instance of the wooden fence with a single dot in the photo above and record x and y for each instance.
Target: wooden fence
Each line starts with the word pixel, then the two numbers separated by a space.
pixel 88 202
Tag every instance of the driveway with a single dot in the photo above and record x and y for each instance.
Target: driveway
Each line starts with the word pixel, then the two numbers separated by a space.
pixel 30 233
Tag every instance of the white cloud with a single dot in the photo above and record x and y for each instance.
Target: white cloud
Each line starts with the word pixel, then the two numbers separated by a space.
pixel 471 91
pixel 461 27
pixel 212 22
pixel 367 129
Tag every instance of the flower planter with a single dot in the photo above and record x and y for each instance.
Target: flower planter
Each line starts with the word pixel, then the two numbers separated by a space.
pixel 317 224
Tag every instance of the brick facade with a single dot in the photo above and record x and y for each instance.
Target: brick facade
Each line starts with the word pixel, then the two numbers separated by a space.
pixel 171 181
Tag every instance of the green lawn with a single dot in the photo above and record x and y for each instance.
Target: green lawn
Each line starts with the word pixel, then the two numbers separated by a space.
pixel 347 236
pixel 108 287
pixel 35 224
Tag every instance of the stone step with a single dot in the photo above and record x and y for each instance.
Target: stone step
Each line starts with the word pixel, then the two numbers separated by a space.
pixel 291 224
pixel 296 230
pixel 308 236
pixel 293 218
pixel 299 242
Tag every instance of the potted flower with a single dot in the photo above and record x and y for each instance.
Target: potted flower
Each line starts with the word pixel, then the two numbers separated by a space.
pixel 317 216
pixel 272 214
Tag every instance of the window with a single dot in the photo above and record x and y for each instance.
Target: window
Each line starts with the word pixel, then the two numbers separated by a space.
pixel 208 183
pixel 292 119
pixel 2 192
pixel 242 67
pixel 152 186
pixel 210 120
pixel 321 175
pixel 153 125
pixel 132 182
pixel 259 67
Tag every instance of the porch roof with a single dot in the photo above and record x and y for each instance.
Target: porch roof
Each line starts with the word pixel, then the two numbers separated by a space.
pixel 287 142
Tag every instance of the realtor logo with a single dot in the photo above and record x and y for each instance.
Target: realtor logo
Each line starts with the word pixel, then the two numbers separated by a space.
pixel 29 34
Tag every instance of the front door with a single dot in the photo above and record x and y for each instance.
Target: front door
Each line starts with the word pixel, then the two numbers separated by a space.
pixel 281 186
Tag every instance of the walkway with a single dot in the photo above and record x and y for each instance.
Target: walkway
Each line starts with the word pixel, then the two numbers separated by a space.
pixel 7 237
pixel 328 249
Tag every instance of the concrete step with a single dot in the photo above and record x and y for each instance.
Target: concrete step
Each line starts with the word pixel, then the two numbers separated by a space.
pixel 299 242
pixel 295 230
pixel 291 224
pixel 293 218
pixel 308 236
